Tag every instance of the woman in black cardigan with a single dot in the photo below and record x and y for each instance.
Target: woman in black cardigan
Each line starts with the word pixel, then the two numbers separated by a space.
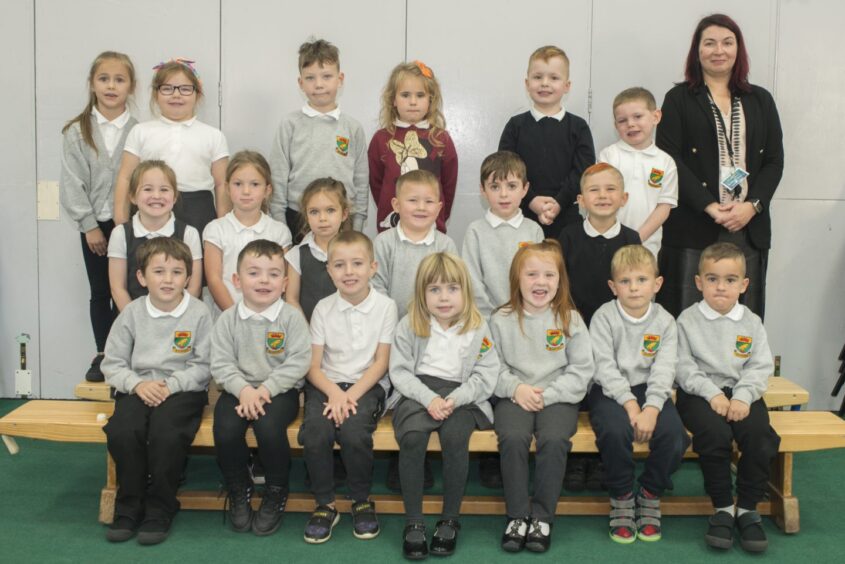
pixel 715 123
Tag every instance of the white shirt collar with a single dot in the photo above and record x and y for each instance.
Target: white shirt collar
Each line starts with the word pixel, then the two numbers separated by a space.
pixel 428 240
pixel 316 251
pixel 166 230
pixel 650 151
pixel 609 234
pixel 735 314
pixel 450 332
pixel 257 228
pixel 419 125
pixel 118 122
pixel 627 316
pixel 366 305
pixel 538 115
pixel 270 314
pixel 177 311
pixel 311 112
pixel 495 221
pixel 186 123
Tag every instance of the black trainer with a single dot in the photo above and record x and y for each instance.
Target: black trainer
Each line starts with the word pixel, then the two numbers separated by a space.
pixel 752 537
pixel 721 530
pixel 594 480
pixel 239 507
pixel 574 480
pixel 319 527
pixel 154 531
pixel 267 519
pixel 490 470
pixel 122 529
pixel 364 520
pixel 94 374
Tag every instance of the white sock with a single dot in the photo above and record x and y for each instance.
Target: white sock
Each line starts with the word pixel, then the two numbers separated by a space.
pixel 729 509
pixel 740 511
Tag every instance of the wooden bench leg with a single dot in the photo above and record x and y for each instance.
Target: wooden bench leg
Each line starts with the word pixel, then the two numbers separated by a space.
pixel 109 493
pixel 11 444
pixel 784 504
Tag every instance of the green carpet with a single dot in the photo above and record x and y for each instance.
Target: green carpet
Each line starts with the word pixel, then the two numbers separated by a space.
pixel 49 495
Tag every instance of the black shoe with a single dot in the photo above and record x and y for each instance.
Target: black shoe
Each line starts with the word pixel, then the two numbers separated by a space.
pixel 445 537
pixel 428 475
pixel 490 471
pixel 269 515
pixel 154 531
pixel 122 529
pixel 513 539
pixel 539 536
pixel 752 537
pixel 594 480
pixel 392 481
pixel 238 507
pixel 94 374
pixel 414 545
pixel 364 520
pixel 576 474
pixel 720 533
pixel 319 527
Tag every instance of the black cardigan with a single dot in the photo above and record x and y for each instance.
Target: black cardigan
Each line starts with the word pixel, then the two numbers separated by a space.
pixel 688 133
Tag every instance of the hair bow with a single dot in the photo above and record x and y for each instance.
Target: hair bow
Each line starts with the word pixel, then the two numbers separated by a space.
pixel 187 63
pixel 426 72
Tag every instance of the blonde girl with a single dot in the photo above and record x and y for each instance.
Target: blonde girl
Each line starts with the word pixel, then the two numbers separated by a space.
pixel 249 188
pixel 442 365
pixel 326 209
pixel 152 189
pixel 413 136
pixel 92 145
pixel 196 151
pixel 546 366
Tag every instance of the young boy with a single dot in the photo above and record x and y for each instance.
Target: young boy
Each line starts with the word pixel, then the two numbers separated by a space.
pixel 491 242
pixel 651 178
pixel 156 359
pixel 318 141
pixel 260 355
pixel 724 363
pixel 556 145
pixel 351 334
pixel 635 345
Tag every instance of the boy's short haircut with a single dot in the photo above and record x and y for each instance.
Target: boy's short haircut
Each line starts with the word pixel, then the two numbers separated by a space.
pixel 721 251
pixel 630 257
pixel 598 168
pixel 261 248
pixel 170 247
pixel 547 52
pixel 351 238
pixel 635 94
pixel 418 176
pixel 502 163
pixel 318 51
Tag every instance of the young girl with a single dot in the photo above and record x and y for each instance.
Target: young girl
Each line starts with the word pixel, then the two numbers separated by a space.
pixel 326 208
pixel 442 366
pixel 152 188
pixel 249 187
pixel 547 364
pixel 196 151
pixel 413 137
pixel 91 149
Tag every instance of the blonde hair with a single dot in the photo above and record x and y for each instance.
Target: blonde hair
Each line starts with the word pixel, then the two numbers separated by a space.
pixel 630 257
pixel 84 118
pixel 327 185
pixel 259 163
pixel 420 177
pixel 598 168
pixel 547 52
pixel 389 114
pixel 561 304
pixel 635 94
pixel 144 166
pixel 168 69
pixel 721 251
pixel 351 238
pixel 318 51
pixel 442 268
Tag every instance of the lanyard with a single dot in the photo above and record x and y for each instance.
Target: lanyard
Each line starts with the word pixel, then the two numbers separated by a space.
pixel 722 128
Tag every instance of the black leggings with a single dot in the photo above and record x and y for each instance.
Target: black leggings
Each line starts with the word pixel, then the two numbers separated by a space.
pixel 100 306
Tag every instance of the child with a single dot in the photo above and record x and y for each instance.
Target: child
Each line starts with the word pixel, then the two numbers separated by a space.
pixel 157 361
pixel 152 188
pixel 556 145
pixel 326 209
pixel 442 366
pixel 260 355
pixel 635 347
pixel 651 178
pixel 248 182
pixel 720 396
pixel 413 137
pixel 318 141
pixel 196 151
pixel 546 367
pixel 351 333
pixel 92 144
pixel 491 242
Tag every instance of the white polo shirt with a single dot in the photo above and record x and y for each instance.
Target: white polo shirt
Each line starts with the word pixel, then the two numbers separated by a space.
pixel 111 130
pixel 117 241
pixel 445 351
pixel 292 256
pixel 350 334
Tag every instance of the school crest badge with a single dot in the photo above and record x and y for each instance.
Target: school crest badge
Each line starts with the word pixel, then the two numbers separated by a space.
pixel 486 345
pixel 655 178
pixel 182 342
pixel 554 340
pixel 743 346
pixel 275 342
pixel 651 344
pixel 342 146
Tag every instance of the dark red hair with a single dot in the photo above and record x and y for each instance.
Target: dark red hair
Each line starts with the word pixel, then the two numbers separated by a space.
pixel 739 74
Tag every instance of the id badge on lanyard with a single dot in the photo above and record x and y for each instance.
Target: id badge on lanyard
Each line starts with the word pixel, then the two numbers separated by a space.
pixel 731 177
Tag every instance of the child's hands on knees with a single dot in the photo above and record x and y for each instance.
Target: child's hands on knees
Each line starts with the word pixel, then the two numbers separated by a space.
pixel 720 404
pixel 632 408
pixel 528 397
pixel 738 410
pixel 645 424
pixel 252 402
pixel 337 406
pixel 152 392
pixel 439 409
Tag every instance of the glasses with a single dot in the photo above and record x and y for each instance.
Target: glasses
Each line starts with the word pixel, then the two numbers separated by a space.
pixel 184 89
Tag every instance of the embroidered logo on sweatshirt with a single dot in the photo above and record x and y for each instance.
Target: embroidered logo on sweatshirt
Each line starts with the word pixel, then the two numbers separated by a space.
pixel 655 178
pixel 182 342
pixel 743 346
pixel 651 344
pixel 275 342
pixel 486 345
pixel 342 147
pixel 554 340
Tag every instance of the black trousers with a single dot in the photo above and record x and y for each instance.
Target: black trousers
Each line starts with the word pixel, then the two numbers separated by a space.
pixel 146 440
pixel 100 306
pixel 712 440
pixel 318 435
pixel 615 437
pixel 196 209
pixel 271 433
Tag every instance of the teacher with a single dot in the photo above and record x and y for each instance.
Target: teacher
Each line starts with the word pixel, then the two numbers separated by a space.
pixel 719 128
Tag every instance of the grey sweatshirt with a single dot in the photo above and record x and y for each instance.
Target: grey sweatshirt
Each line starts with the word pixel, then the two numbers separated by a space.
pixel 252 352
pixel 141 348
pixel 723 353
pixel 543 356
pixel 628 354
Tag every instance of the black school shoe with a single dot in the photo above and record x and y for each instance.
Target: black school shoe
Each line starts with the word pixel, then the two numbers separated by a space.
pixel 594 480
pixel 267 519
pixel 537 540
pixel 490 471
pixel 154 531
pixel 445 537
pixel 574 480
pixel 414 545
pixel 720 532
pixel 513 539
pixel 752 537
pixel 122 529
pixel 94 374
pixel 238 507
